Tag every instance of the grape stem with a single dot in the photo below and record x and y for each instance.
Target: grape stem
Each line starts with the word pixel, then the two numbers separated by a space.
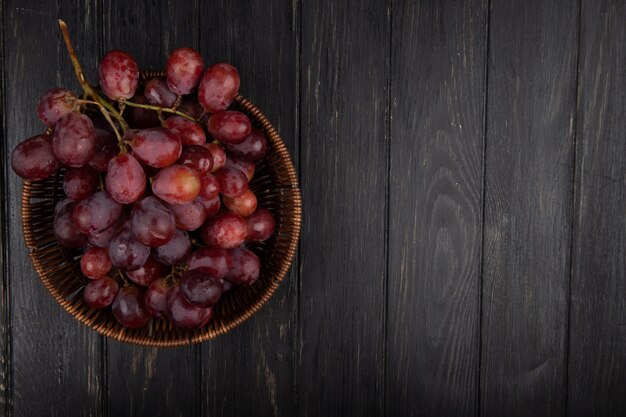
pixel 106 116
pixel 160 109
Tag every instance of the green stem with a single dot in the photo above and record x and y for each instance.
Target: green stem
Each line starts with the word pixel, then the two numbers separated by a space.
pixel 108 118
pixel 161 109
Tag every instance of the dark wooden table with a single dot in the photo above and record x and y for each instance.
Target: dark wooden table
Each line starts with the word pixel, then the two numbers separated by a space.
pixel 464 239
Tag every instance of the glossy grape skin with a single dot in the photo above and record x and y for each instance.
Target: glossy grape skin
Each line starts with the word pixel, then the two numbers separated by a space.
pixel 232 181
pixel 126 251
pixel 176 184
pixel 65 231
pixel 153 223
pixel 261 225
pixel 253 148
pixel 184 314
pixel 34 159
pixel 189 216
pixel 190 132
pixel 150 271
pixel 125 179
pixel 245 166
pixel 95 263
pixel 55 104
pixel 80 183
pixel 106 148
pixel 229 126
pixel 219 155
pixel 155 298
pixel 60 205
pixel 209 187
pixel 100 292
pixel 214 261
pixel 158 94
pixel 102 239
pixel 139 118
pixel 201 289
pixel 243 205
pixel 96 212
pixel 197 157
pixel 219 87
pixel 119 75
pixel 157 146
pixel 74 140
pixel 191 107
pixel 246 267
pixel 183 70
pixel 129 309
pixel 224 230
pixel 174 251
pixel 211 206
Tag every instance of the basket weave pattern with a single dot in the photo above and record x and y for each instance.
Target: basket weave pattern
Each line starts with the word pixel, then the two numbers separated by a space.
pixel 275 184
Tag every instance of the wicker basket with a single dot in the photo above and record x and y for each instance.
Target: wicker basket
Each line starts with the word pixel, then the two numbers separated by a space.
pixel 276 187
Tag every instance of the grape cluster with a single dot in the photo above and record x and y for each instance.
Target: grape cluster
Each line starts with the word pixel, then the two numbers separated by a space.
pixel 156 183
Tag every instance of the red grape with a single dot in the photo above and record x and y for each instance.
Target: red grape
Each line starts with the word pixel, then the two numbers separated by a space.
pixel 219 156
pixel 61 205
pixel 157 147
pixel 129 309
pixel 229 126
pixel 155 298
pixel 141 118
pixel 189 216
pixel 196 157
pixel 209 187
pixel 177 249
pixel 218 87
pixel 213 261
pixel 96 212
pixel 100 292
pixel 55 104
pixel 102 239
pixel 176 184
pixel 126 251
pixel 65 231
pixel 191 107
pixel 153 223
pixel 201 289
pixel 119 75
pixel 184 314
pixel 95 263
pixel 34 158
pixel 260 225
pixel 253 147
pixel 246 267
pixel 157 93
pixel 80 183
pixel 232 181
pixel 244 205
pixel 74 139
pixel 245 166
pixel 190 132
pixel 125 179
pixel 106 148
pixel 224 230
pixel 183 70
pixel 211 206
pixel 150 271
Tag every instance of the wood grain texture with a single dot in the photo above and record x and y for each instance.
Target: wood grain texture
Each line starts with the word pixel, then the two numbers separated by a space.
pixel 597 358
pixel 344 80
pixel 436 166
pixel 251 370
pixel 55 359
pixel 528 167
pixel 151 381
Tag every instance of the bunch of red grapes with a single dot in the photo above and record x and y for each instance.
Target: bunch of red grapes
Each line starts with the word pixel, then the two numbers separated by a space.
pixel 156 180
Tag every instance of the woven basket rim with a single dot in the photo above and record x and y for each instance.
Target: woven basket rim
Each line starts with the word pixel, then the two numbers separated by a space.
pixel 197 336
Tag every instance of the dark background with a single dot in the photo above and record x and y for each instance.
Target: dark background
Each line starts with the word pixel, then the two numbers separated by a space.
pixel 464 235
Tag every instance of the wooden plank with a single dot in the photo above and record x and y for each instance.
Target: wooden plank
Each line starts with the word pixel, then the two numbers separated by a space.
pixel 151 381
pixel 597 359
pixel 251 370
pixel 345 55
pixel 528 211
pixel 56 361
pixel 436 166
